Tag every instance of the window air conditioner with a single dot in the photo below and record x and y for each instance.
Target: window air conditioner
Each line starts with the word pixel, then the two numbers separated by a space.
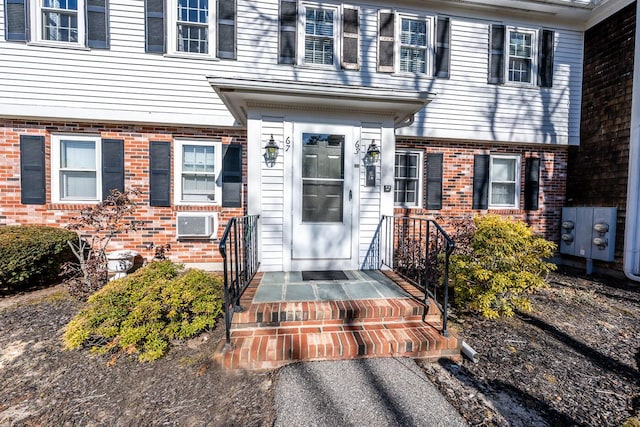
pixel 197 225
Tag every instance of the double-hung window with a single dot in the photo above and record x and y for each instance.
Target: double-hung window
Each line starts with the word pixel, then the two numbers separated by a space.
pixel 60 20
pixel 191 29
pixel 504 177
pixel 75 165
pixel 521 59
pixel 408 179
pixel 319 36
pixel 197 175
pixel 413 45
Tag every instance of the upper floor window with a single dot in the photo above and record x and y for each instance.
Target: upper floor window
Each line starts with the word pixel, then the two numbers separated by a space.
pixel 522 56
pixel 413 44
pixel 198 165
pixel 60 20
pixel 201 28
pixel 408 179
pixel 319 36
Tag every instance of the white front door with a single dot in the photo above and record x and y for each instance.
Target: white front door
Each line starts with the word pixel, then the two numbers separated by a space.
pixel 323 197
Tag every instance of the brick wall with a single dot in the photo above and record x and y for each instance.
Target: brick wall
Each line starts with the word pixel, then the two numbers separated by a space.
pixel 158 223
pixel 598 168
pixel 457 187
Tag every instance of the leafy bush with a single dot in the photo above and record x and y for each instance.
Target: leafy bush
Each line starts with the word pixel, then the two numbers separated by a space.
pixel 142 312
pixel 32 254
pixel 503 263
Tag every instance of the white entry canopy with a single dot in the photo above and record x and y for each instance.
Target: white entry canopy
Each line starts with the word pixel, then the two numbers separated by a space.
pixel 241 95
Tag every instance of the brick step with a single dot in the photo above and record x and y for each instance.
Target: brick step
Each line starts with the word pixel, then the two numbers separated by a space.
pixel 268 348
pixel 326 313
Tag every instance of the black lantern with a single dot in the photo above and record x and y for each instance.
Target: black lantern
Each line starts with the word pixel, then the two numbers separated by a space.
pixel 373 153
pixel 271 152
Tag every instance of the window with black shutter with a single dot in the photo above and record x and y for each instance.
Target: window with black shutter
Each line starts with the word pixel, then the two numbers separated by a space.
pixel 481 181
pixel 496 54
pixel 154 26
pixel 227 29
pixel 288 21
pixel 434 180
pixel 232 175
pixel 97 24
pixel 15 20
pixel 443 59
pixel 531 183
pixel 159 173
pixel 32 170
pixel 350 38
pixel 112 166
pixel 545 66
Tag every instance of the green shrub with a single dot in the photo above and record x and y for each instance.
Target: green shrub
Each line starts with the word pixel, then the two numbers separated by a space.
pixel 32 254
pixel 503 264
pixel 142 312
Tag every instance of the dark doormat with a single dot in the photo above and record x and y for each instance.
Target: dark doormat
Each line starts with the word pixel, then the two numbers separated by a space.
pixel 324 275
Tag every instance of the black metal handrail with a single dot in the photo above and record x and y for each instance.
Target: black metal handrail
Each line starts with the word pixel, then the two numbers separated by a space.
pixel 241 262
pixel 418 249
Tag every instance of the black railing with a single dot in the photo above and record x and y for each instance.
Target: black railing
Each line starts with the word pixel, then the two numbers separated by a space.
pixel 239 250
pixel 418 249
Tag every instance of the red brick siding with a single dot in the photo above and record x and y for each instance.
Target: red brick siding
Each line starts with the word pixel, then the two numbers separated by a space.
pixel 598 168
pixel 158 223
pixel 457 191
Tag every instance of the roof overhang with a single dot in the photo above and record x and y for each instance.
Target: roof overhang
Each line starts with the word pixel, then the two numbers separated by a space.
pixel 243 95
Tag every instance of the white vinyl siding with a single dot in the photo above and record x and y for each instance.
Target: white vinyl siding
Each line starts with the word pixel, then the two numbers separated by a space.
pixel 75 168
pixel 504 181
pixel 197 168
pixel 124 84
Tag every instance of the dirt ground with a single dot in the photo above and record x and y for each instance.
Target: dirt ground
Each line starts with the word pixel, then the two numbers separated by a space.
pixel 573 361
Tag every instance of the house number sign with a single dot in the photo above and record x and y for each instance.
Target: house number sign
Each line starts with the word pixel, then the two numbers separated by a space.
pixel 357 147
pixel 287 144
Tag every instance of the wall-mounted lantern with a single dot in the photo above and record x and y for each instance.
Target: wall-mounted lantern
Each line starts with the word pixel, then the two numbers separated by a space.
pixel 373 154
pixel 271 152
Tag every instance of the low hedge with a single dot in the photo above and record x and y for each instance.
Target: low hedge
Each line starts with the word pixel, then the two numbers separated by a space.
pixel 141 313
pixel 32 254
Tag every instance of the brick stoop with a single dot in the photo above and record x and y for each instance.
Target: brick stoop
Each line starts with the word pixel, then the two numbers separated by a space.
pixel 271 335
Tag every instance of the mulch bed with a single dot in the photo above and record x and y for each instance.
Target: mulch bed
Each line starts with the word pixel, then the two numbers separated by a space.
pixel 573 361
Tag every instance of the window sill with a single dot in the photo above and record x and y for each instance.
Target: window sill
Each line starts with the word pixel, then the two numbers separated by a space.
pixel 59 45
pixel 196 56
pixel 420 76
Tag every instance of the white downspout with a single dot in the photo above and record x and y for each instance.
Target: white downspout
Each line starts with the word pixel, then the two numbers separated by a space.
pixel 632 228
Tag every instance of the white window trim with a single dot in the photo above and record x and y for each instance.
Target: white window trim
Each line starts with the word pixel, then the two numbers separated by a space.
pixel 518 159
pixel 56 141
pixel 430 49
pixel 420 178
pixel 172 32
pixel 37 30
pixel 534 55
pixel 177 175
pixel 337 34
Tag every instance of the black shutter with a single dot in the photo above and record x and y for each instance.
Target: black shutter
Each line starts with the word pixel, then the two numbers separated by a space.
pixel 97 24
pixel 434 180
pixel 386 41
pixel 287 32
pixel 154 26
pixel 350 38
pixel 443 31
pixel 496 54
pixel 232 175
pixel 531 183
pixel 227 29
pixel 481 181
pixel 16 20
pixel 159 173
pixel 32 170
pixel 112 166
pixel 545 67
